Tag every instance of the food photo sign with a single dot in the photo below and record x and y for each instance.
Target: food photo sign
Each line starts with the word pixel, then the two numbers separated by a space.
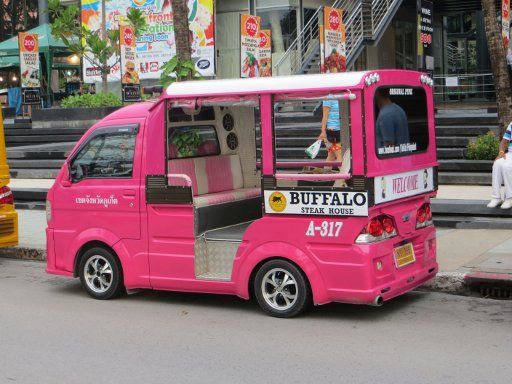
pixel 29 67
pixel 249 46
pixel 265 53
pixel 130 79
pixel 335 41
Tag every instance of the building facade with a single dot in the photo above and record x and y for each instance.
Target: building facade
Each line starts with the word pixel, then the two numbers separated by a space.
pixel 460 49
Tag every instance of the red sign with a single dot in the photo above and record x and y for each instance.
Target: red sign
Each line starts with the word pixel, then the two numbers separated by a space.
pixel 263 39
pixel 128 36
pixel 334 20
pixel 251 26
pixel 29 43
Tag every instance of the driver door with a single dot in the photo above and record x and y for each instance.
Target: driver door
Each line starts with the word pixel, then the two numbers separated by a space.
pixel 103 193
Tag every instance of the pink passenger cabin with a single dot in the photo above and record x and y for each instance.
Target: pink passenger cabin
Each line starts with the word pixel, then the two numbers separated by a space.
pixel 189 193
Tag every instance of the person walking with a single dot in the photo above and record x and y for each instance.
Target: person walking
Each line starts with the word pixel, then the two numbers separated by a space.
pixel 502 173
pixel 331 129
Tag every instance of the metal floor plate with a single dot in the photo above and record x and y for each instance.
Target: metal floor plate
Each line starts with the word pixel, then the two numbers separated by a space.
pixel 234 233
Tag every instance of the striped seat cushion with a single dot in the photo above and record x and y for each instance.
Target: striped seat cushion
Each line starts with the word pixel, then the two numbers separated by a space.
pixel 215 179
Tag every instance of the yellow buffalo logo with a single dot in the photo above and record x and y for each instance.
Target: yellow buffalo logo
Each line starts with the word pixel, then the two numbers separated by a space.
pixel 277 202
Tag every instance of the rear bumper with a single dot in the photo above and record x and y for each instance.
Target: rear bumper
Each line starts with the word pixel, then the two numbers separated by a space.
pixel 392 281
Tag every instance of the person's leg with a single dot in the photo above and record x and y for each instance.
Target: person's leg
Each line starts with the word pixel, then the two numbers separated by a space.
pixel 497 178
pixel 507 178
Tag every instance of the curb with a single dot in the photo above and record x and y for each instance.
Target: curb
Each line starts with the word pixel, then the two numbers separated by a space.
pixel 23 253
pixel 448 282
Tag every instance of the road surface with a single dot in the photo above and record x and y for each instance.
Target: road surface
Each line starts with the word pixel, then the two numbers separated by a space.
pixel 51 332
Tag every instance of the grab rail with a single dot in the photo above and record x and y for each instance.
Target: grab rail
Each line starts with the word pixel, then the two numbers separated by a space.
pixel 313 177
pixel 186 178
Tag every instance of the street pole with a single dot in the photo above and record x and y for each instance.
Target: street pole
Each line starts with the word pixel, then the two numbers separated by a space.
pixel 42 12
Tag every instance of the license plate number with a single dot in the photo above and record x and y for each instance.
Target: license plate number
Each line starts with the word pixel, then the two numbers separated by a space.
pixel 404 255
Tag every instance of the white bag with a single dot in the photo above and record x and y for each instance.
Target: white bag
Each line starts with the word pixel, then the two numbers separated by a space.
pixel 313 149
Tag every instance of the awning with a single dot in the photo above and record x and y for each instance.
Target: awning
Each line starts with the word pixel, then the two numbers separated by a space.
pixel 9 61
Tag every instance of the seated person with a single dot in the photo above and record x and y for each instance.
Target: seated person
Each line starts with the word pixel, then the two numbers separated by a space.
pixel 502 173
pixel 392 126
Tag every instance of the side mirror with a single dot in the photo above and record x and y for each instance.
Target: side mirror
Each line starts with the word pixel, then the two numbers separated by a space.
pixel 66 178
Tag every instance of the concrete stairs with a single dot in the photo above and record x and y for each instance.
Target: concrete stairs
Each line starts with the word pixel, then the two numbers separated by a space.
pixel 454 131
pixel 38 153
pixel 469 214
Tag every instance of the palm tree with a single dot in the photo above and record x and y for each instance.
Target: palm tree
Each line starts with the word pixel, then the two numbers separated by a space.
pixel 498 63
pixel 181 30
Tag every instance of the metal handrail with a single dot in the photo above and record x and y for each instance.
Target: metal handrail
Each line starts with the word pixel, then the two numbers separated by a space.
pixel 365 21
pixel 308 34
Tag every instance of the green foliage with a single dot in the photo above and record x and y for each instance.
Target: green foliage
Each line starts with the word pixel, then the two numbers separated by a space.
pixel 177 70
pixel 96 50
pixel 187 142
pixel 92 101
pixel 485 147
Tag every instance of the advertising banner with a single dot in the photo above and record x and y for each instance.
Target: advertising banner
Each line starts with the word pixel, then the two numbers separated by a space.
pixel 29 67
pixel 249 46
pixel 425 36
pixel 156 45
pixel 129 74
pixel 335 46
pixel 322 203
pixel 265 53
pixel 505 22
pixel 400 185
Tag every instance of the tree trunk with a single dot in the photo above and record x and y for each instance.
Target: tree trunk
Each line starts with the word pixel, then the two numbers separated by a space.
pixel 498 63
pixel 181 29
pixel 104 64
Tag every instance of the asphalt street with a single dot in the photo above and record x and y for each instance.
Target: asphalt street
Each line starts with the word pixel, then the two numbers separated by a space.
pixel 51 332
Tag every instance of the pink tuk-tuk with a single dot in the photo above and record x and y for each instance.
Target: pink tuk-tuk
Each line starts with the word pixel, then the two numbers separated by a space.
pixel 191 193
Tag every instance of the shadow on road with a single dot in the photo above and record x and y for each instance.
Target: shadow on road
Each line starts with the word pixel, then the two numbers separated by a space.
pixel 199 301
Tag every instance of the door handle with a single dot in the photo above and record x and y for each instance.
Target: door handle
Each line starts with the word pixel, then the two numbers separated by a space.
pixel 129 193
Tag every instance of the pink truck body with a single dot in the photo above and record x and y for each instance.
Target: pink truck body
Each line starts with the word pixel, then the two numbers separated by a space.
pixel 157 239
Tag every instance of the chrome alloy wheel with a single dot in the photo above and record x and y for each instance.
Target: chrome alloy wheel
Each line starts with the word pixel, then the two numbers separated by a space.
pixel 279 289
pixel 98 274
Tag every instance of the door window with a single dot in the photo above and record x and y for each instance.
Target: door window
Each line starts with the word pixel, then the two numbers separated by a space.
pixel 106 155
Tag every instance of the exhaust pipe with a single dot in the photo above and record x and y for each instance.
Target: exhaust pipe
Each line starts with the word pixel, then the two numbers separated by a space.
pixel 377 302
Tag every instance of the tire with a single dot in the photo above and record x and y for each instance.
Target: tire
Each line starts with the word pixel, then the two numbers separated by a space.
pixel 101 274
pixel 281 289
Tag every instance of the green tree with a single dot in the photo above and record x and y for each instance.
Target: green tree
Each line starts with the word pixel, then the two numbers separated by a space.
pixel 498 63
pixel 96 48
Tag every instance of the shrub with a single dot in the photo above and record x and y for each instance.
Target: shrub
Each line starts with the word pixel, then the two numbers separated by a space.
pixel 88 100
pixel 485 147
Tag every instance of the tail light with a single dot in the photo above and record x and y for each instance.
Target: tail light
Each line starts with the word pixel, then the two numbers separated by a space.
pixel 6 196
pixel 379 228
pixel 424 216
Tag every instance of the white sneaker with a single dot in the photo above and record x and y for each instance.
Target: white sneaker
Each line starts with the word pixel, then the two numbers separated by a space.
pixel 507 204
pixel 494 203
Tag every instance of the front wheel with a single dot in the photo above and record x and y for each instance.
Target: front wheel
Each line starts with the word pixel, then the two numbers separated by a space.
pixel 100 274
pixel 281 289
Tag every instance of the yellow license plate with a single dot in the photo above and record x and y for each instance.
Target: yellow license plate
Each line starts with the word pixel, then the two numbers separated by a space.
pixel 404 255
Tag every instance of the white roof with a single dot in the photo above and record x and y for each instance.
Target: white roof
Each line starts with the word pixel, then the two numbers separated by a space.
pixel 276 84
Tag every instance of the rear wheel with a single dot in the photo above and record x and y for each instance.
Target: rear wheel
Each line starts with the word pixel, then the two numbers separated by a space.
pixel 281 289
pixel 100 274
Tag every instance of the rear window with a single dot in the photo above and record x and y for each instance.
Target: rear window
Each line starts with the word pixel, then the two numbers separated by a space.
pixel 401 122
pixel 193 141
